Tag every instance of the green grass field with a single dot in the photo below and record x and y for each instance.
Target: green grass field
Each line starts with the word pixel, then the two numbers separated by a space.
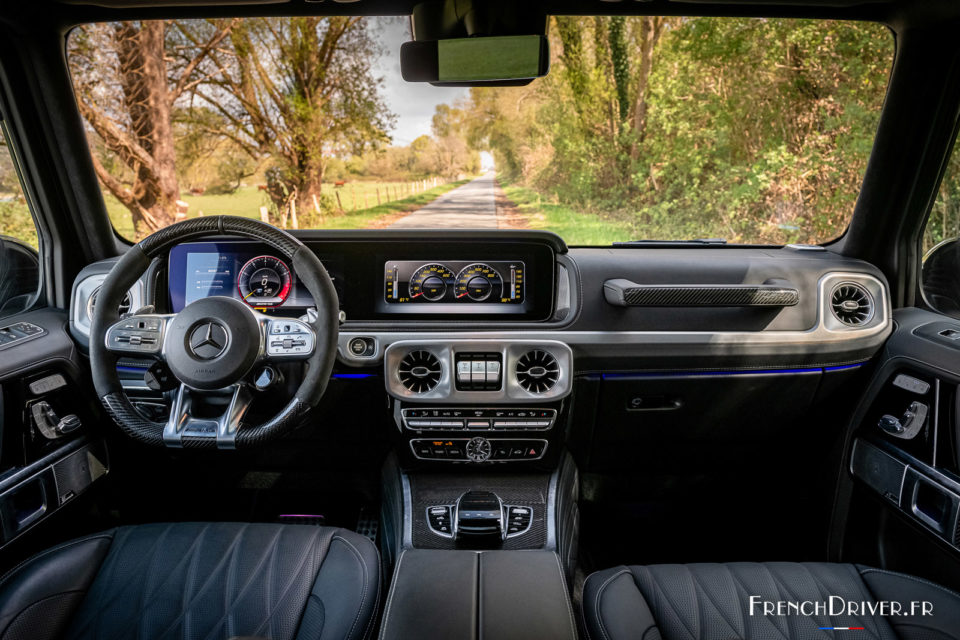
pixel 575 227
pixel 246 202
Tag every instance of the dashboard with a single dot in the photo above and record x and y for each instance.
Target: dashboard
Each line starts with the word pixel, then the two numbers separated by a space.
pixel 485 341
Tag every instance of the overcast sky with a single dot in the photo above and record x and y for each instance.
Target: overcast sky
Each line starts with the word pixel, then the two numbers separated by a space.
pixel 412 102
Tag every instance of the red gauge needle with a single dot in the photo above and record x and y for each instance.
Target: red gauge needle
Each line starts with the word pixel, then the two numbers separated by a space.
pixel 417 294
pixel 461 295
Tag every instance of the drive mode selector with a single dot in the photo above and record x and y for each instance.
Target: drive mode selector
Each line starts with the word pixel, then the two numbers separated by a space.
pixel 478 449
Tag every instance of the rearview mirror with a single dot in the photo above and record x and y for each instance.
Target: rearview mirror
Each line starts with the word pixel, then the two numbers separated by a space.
pixel 480 61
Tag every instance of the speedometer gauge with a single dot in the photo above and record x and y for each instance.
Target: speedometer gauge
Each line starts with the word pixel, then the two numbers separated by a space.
pixel 264 281
pixel 431 282
pixel 477 282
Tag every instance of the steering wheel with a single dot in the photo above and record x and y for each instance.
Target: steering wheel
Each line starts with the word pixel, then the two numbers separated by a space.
pixel 213 343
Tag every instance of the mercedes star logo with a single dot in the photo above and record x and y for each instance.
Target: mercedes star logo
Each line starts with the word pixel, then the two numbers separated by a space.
pixel 208 340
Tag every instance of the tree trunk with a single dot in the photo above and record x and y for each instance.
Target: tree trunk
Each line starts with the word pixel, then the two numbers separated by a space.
pixel 573 59
pixel 616 38
pixel 650 30
pixel 143 75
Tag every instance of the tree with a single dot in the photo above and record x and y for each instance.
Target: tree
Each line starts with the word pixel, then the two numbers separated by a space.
pixel 296 90
pixel 126 97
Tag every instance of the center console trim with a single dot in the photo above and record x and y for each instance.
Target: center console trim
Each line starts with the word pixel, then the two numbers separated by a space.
pixel 510 390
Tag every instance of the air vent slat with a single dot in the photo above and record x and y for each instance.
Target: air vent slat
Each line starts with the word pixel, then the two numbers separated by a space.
pixel 852 304
pixel 124 306
pixel 419 371
pixel 537 371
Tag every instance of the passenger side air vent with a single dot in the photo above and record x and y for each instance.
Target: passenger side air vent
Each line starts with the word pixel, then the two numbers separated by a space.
pixel 537 371
pixel 852 304
pixel 419 371
pixel 123 308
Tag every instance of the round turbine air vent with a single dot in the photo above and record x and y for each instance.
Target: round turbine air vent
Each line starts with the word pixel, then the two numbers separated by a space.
pixel 419 371
pixel 852 304
pixel 122 309
pixel 537 371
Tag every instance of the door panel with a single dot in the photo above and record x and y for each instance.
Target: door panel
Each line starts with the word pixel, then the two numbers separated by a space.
pixel 49 449
pixel 899 493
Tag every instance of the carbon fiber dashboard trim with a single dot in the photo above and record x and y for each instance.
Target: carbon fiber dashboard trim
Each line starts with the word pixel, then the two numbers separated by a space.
pixel 624 293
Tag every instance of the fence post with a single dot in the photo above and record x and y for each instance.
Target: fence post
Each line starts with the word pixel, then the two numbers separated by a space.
pixel 265 215
pixel 378 196
pixel 339 204
pixel 293 214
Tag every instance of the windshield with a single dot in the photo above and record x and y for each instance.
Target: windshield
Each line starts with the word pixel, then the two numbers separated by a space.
pixel 750 130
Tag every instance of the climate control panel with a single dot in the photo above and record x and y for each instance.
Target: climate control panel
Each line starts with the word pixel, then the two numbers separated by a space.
pixel 478 449
pixel 477 419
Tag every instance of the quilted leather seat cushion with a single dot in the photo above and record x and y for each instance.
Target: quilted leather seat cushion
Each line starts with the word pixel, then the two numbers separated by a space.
pixel 197 580
pixel 713 602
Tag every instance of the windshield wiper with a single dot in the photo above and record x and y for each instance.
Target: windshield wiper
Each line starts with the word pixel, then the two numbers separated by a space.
pixel 693 241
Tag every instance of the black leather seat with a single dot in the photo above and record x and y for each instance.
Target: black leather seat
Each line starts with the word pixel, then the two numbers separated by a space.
pixel 197 580
pixel 713 602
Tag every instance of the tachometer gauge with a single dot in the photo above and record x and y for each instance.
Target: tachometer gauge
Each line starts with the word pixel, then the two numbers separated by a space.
pixel 430 282
pixel 477 282
pixel 264 281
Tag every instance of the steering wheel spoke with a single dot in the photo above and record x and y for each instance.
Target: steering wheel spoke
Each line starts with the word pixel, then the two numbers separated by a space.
pixel 140 335
pixel 221 429
pixel 286 339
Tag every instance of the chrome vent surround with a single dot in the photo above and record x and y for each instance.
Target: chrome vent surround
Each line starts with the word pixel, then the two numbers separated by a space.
pixel 537 371
pixel 123 308
pixel 420 371
pixel 852 304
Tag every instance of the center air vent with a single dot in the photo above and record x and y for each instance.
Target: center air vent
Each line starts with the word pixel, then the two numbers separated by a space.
pixel 419 371
pixel 537 371
pixel 852 304
pixel 123 308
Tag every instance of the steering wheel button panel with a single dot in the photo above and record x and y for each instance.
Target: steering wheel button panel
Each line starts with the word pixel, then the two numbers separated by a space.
pixel 137 334
pixel 289 338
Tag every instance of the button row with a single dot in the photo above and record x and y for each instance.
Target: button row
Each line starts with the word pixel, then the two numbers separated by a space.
pixel 17 332
pixel 455 449
pixel 478 371
pixel 478 419
pixel 441 424
pixel 479 413
pixel 439 520
pixel 518 520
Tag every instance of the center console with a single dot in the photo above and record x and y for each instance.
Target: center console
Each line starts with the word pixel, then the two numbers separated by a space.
pixel 471 594
pixel 482 402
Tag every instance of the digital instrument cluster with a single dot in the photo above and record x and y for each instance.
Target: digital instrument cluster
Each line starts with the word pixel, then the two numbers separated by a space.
pixel 409 282
pixel 245 271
